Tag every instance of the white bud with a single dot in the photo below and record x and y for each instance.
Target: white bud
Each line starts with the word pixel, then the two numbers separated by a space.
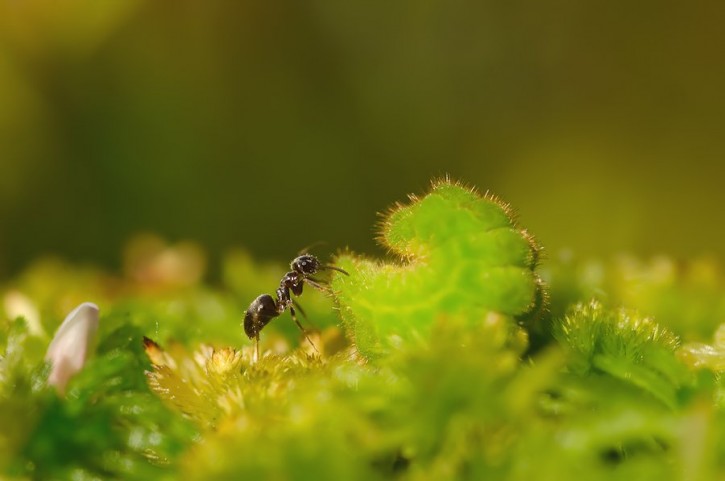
pixel 68 350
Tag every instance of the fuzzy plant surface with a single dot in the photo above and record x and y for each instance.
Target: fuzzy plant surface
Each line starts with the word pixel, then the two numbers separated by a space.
pixel 457 357
pixel 458 255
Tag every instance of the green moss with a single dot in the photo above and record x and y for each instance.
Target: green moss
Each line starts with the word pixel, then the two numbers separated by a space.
pixel 431 373
pixel 109 424
pixel 461 256
pixel 623 344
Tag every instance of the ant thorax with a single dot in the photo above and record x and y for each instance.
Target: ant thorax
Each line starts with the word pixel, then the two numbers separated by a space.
pixel 292 281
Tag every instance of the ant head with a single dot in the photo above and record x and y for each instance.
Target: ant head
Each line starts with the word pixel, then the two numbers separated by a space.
pixel 306 264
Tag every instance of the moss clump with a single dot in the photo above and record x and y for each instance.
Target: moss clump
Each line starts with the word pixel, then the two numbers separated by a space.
pixel 461 256
pixel 109 425
pixel 438 381
pixel 625 345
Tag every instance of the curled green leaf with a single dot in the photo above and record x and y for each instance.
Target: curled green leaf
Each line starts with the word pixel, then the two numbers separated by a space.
pixel 461 256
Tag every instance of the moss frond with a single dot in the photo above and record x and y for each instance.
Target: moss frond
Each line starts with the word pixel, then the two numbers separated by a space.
pixel 462 256
pixel 624 344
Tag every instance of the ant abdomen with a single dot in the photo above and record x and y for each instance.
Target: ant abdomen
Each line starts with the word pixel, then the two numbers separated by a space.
pixel 262 310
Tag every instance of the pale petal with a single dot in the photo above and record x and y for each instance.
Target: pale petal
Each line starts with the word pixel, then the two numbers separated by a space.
pixel 68 350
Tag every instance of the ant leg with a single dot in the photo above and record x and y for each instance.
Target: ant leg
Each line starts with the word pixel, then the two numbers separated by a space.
pixel 302 311
pixel 317 281
pixel 317 284
pixel 299 308
pixel 294 318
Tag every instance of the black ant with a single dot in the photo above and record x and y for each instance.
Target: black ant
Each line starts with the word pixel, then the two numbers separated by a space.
pixel 265 308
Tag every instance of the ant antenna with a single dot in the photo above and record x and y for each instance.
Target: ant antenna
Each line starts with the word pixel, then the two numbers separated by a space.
pixel 335 269
pixel 309 247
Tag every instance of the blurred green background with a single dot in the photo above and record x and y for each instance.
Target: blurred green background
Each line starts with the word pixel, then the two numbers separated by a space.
pixel 273 125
